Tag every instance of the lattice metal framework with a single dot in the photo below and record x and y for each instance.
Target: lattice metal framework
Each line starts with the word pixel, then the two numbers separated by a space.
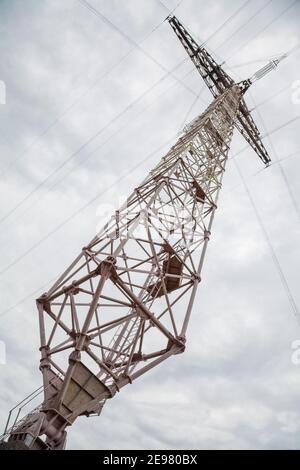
pixel 217 81
pixel 124 304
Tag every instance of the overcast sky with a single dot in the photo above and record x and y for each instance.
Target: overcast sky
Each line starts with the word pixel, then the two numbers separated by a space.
pixel 87 115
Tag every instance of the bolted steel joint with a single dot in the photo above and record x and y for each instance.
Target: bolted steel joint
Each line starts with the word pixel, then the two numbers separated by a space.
pixel 207 234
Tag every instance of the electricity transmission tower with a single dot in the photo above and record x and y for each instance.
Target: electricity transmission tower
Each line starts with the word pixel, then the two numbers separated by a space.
pixel 123 306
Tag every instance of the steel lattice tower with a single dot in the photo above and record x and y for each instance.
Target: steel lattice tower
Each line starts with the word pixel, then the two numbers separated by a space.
pixel 124 304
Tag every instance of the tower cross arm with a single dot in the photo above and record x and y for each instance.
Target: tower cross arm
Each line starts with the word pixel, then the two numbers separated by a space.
pixel 217 80
pixel 214 76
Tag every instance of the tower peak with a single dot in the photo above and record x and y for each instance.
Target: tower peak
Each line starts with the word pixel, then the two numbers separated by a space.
pixel 218 80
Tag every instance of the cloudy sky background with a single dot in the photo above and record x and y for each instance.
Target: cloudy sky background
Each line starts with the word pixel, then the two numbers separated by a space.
pixel 87 115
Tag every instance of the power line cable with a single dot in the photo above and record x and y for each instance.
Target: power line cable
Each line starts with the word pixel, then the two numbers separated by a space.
pixel 173 10
pixel 101 145
pixel 60 225
pixel 271 248
pixel 191 108
pixel 255 14
pixel 276 18
pixel 275 129
pixel 282 172
pixel 113 26
pixel 229 190
pixel 294 202
pixel 82 95
pixel 94 198
pixel 78 211
pixel 28 296
pixel 269 98
pixel 242 7
pixel 113 135
pixel 87 142
pixel 41 184
pixel 232 34
pixel 260 221
pixel 264 169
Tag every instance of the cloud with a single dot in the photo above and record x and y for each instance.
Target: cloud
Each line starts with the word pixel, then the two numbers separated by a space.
pixel 235 386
